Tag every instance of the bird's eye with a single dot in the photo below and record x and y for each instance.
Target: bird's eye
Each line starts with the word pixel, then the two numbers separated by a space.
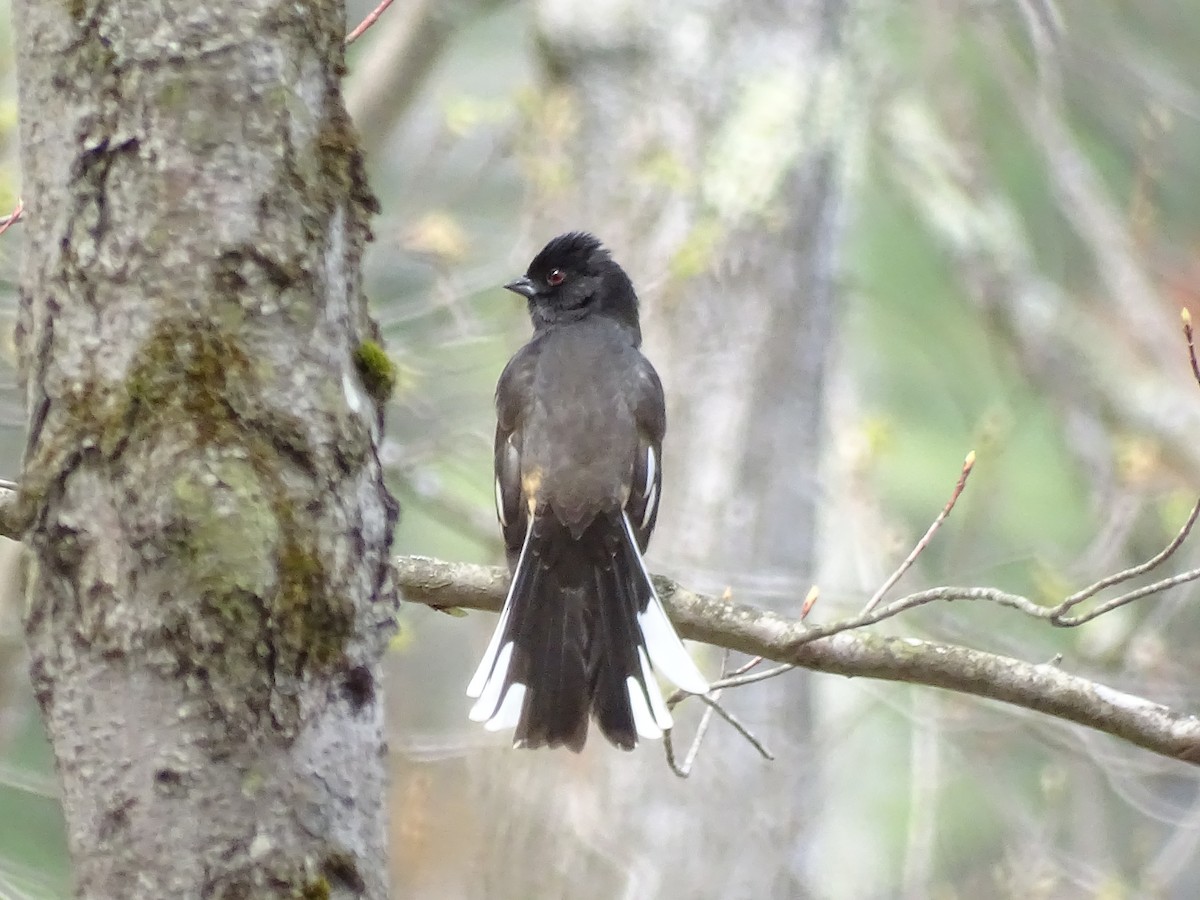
pixel 556 277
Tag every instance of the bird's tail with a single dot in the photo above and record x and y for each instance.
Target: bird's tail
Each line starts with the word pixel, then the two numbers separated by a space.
pixel 582 631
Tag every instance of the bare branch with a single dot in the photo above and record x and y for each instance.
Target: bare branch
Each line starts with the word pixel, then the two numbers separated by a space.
pixel 371 19
pixel 1056 614
pixel 738 680
pixel 684 769
pixel 1108 606
pixel 712 702
pixel 7 222
pixel 1191 344
pixel 1041 687
pixel 1124 575
pixel 714 705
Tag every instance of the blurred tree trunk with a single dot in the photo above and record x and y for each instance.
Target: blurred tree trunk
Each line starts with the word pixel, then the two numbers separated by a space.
pixel 702 143
pixel 211 587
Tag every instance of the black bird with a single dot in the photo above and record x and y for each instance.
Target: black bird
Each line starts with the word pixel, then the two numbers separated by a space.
pixel 580 423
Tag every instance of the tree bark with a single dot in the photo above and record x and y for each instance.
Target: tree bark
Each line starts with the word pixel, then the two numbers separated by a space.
pixel 211 589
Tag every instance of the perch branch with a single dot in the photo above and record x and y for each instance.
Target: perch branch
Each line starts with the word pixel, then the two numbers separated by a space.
pixel 1041 687
pixel 10 526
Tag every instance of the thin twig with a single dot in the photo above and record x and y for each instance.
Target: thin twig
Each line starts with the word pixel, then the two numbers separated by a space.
pixel 740 676
pixel 1109 605
pixel 1125 574
pixel 968 464
pixel 745 667
pixel 1054 614
pixel 685 769
pixel 737 679
pixel 669 750
pixel 1187 333
pixel 7 222
pixel 739 727
pixel 712 703
pixel 371 19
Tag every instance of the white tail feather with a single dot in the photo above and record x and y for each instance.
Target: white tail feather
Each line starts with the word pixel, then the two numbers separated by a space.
pixel 643 720
pixel 500 503
pixel 667 653
pixel 662 715
pixel 509 712
pixel 489 697
pixel 651 466
pixel 662 651
pixel 651 503
pixel 487 665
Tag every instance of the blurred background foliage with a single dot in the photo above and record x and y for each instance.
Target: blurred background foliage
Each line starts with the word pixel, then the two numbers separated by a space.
pixel 1023 232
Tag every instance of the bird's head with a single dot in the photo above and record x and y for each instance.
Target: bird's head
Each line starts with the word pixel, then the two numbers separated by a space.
pixel 573 277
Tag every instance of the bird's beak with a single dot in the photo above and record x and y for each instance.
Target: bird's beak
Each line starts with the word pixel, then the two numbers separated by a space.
pixel 522 286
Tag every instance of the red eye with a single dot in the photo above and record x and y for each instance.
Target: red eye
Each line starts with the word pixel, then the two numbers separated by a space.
pixel 555 278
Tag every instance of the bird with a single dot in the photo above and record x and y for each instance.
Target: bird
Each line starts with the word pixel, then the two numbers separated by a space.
pixel 580 419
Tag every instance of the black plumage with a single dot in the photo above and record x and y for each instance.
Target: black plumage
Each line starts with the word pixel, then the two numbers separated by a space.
pixel 580 423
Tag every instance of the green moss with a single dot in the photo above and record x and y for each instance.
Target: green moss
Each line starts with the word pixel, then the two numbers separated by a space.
pixel 314 625
pixel 376 369
pixel 262 608
pixel 236 519
pixel 54 448
pixel 190 374
pixel 342 168
pixel 232 531
pixel 316 889
pixel 342 869
pixel 77 9
pixel 268 871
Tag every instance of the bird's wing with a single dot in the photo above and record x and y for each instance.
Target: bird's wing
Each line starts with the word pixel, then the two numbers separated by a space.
pixel 512 398
pixel 645 489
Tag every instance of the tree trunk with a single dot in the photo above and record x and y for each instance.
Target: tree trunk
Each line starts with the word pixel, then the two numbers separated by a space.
pixel 703 144
pixel 211 589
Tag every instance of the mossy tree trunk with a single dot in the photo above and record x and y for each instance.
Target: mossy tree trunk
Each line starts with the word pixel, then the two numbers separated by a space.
pixel 210 588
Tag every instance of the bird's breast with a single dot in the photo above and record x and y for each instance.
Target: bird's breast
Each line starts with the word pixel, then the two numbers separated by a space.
pixel 579 434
